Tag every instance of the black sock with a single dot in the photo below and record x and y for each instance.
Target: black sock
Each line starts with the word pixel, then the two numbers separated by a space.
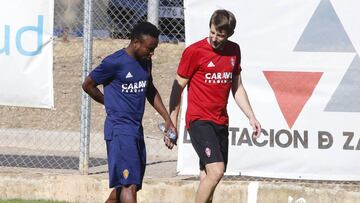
pixel 118 192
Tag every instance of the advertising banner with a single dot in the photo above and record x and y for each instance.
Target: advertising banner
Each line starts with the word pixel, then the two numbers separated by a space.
pixel 301 70
pixel 26 53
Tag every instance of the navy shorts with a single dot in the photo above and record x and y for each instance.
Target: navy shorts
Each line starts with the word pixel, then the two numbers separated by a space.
pixel 126 159
pixel 210 141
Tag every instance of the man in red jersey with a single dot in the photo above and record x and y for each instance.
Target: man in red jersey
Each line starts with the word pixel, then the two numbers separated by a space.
pixel 210 68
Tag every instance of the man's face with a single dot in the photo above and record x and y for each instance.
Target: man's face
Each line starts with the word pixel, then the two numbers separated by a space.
pixel 217 38
pixel 145 47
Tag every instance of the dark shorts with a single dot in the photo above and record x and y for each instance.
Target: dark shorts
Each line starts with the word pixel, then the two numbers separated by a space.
pixel 210 141
pixel 126 159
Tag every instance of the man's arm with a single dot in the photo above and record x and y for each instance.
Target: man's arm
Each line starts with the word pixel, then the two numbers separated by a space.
pixel 90 87
pixel 242 101
pixel 155 100
pixel 175 97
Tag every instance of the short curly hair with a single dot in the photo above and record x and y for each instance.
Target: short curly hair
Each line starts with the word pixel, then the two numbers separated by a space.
pixel 144 28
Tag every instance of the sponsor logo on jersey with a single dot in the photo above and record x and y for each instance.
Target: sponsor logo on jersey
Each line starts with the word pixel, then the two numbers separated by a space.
pixel 129 75
pixel 211 65
pixel 224 77
pixel 134 87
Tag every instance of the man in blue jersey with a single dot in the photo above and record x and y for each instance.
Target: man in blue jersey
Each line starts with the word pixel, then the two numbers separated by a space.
pixel 127 80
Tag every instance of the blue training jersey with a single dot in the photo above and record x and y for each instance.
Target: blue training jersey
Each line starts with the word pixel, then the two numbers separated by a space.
pixel 125 82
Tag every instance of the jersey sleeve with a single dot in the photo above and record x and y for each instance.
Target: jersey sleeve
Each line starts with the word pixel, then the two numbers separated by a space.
pixel 188 63
pixel 103 73
pixel 237 67
pixel 151 89
pixel 150 70
pixel 151 86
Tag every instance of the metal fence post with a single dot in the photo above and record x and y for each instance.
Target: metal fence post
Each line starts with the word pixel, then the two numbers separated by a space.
pixel 85 99
pixel 153 12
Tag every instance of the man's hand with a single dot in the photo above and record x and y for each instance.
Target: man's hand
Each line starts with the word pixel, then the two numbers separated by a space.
pixel 169 143
pixel 256 128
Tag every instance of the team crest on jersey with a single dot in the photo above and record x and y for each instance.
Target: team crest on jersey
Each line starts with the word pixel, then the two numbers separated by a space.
pixel 208 151
pixel 232 62
pixel 126 173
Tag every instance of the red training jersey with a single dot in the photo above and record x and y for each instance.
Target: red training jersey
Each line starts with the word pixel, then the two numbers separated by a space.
pixel 210 75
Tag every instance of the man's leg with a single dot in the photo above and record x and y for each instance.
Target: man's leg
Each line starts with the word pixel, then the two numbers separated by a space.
pixel 125 194
pixel 208 181
pixel 118 193
pixel 128 194
pixel 112 197
pixel 209 142
pixel 202 177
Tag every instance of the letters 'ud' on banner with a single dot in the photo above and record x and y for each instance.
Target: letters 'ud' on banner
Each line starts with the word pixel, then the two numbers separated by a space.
pixel 301 70
pixel 26 53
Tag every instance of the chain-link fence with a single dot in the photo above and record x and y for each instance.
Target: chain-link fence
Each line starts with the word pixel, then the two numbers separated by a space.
pixel 50 138
pixel 115 18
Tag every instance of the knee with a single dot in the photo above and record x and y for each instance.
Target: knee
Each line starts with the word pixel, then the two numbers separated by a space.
pixel 216 173
pixel 128 193
pixel 202 178
pixel 129 189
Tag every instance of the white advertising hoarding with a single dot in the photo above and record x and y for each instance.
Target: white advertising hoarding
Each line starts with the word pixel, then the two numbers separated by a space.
pixel 301 70
pixel 26 53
